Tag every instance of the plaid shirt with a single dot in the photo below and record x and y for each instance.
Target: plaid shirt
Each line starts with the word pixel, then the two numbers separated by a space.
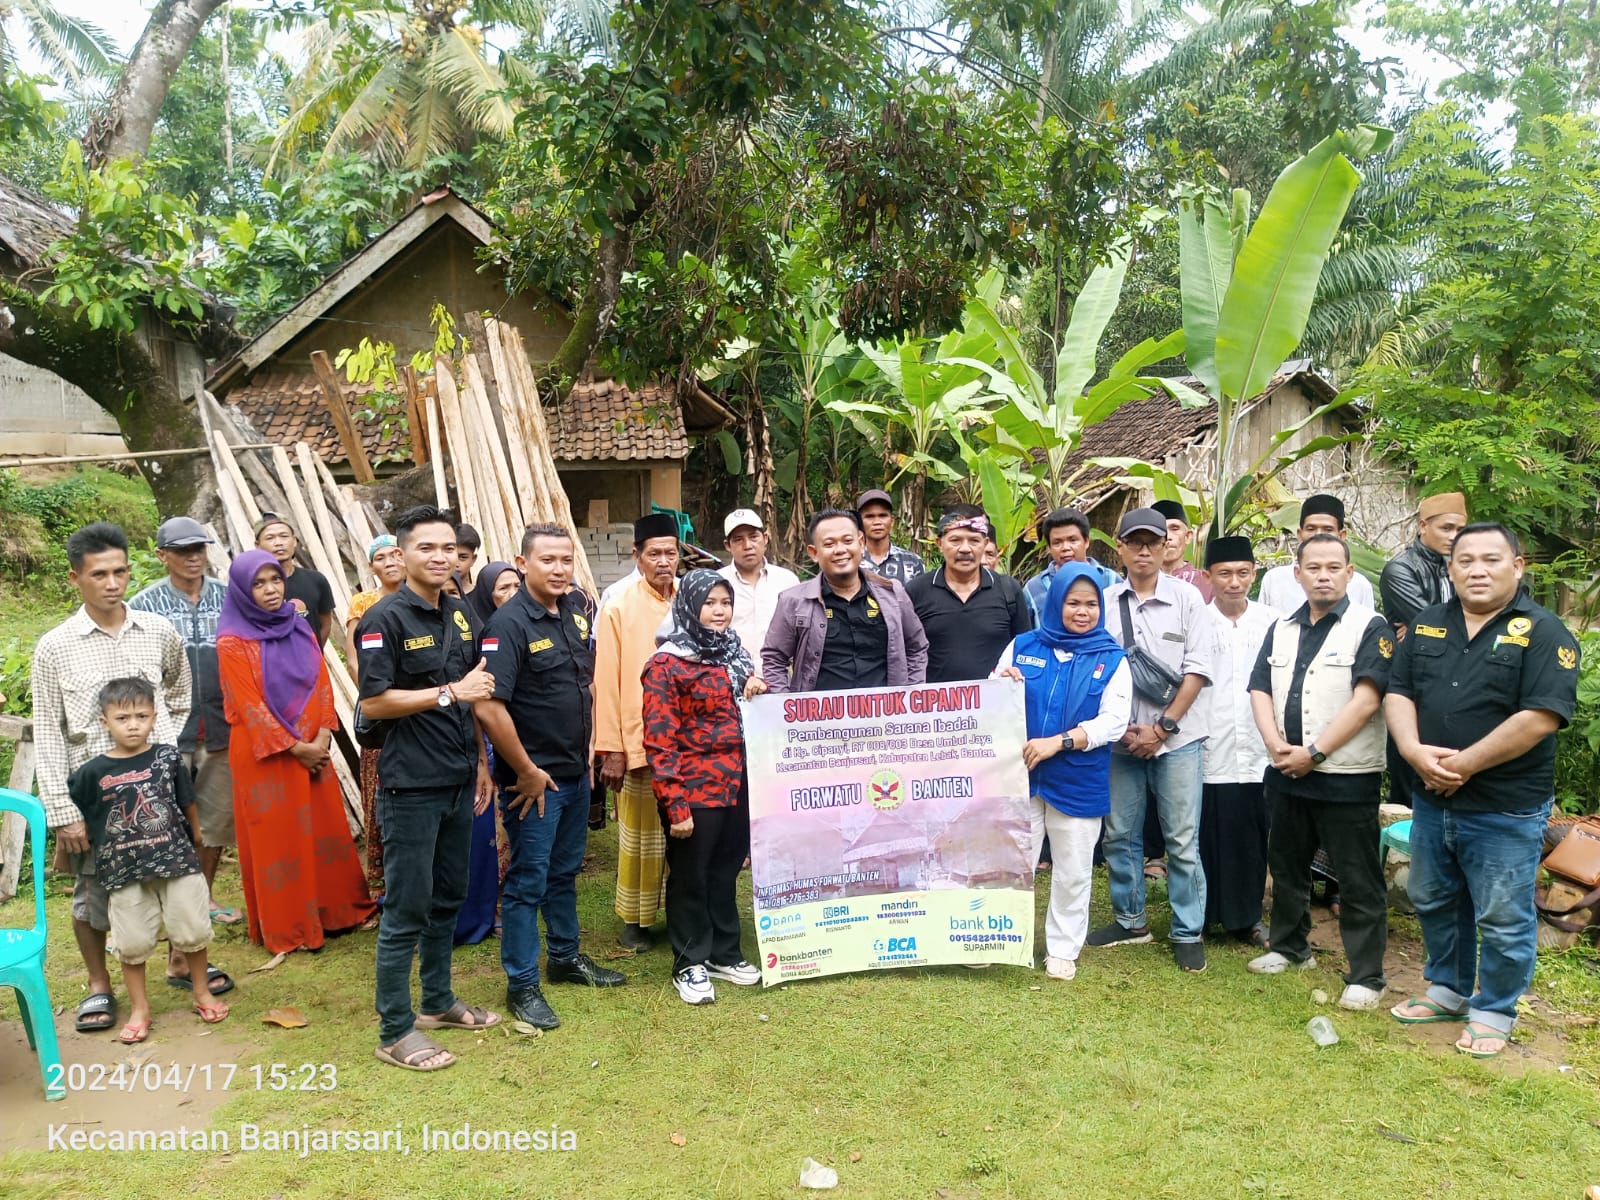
pixel 197 626
pixel 71 664
pixel 898 564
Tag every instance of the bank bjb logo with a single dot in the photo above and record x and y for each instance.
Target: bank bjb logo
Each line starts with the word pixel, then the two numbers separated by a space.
pixel 886 789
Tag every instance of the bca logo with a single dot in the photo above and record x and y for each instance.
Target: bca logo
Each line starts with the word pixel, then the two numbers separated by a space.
pixel 902 945
pixel 772 958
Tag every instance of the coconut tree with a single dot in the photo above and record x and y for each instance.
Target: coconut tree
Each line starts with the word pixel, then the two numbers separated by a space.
pixel 79 51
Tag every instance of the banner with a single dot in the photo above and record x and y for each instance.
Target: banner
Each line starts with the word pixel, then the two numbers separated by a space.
pixel 889 827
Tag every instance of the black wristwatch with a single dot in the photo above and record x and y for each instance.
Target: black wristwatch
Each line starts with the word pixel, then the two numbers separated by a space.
pixel 1167 725
pixel 1317 756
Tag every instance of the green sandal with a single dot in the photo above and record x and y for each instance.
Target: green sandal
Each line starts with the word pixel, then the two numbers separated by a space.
pixel 1475 1033
pixel 1436 1012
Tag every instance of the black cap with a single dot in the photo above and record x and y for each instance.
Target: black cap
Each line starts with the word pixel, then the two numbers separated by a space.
pixel 874 495
pixel 1323 503
pixel 654 525
pixel 1171 510
pixel 1147 519
pixel 1229 549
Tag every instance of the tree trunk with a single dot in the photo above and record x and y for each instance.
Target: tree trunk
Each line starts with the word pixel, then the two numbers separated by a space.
pixel 595 314
pixel 118 372
pixel 123 128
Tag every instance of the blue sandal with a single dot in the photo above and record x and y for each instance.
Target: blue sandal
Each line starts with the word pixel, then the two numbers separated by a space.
pixel 1436 1012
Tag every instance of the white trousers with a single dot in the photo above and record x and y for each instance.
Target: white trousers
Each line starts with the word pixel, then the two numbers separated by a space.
pixel 1072 839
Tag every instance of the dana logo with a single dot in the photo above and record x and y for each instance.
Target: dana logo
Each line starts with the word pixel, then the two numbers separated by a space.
pixel 887 790
pixel 772 959
pixel 778 920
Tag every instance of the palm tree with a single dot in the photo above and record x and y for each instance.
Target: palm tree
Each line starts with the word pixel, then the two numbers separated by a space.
pixel 77 50
pixel 406 80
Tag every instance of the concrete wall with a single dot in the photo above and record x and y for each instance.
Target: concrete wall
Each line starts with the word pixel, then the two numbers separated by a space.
pixel 609 549
pixel 42 414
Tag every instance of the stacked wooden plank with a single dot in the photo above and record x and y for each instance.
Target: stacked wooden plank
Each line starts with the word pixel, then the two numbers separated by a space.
pixel 498 444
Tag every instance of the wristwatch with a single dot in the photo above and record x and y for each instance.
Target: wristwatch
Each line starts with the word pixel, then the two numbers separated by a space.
pixel 1167 725
pixel 445 698
pixel 1317 756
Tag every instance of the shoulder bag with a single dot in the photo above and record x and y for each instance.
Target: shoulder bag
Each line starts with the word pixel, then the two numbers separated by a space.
pixel 1152 678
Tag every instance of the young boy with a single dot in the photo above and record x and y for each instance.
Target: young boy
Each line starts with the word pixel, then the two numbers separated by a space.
pixel 138 802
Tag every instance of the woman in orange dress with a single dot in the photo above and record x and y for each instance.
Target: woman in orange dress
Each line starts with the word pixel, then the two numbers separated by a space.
pixel 297 859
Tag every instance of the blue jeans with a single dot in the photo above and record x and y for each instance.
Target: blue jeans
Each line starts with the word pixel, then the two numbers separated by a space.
pixel 427 841
pixel 1174 781
pixel 546 853
pixel 1472 877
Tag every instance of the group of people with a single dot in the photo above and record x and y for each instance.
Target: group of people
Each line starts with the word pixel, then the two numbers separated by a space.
pixel 1169 715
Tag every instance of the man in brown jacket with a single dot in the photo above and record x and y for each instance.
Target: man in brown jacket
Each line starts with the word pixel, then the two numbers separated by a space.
pixel 845 628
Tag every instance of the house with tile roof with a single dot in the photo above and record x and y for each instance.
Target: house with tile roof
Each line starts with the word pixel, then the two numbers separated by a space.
pixel 621 446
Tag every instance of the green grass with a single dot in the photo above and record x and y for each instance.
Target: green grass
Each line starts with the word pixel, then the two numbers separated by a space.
pixel 1133 1081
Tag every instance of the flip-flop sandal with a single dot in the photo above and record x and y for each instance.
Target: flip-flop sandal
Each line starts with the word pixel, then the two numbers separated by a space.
pixel 226 916
pixel 1436 1012
pixel 211 1013
pixel 481 1018
pixel 1475 1033
pixel 411 1051
pixel 134 1032
pixel 94 1006
pixel 214 976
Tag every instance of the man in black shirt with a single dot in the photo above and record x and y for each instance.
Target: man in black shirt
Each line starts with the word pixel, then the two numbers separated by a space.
pixel 1480 685
pixel 1316 692
pixel 969 612
pixel 416 656
pixel 540 648
pixel 309 591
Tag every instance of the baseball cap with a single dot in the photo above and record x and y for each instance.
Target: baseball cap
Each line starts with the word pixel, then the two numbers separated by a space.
pixel 181 531
pixel 738 517
pixel 871 495
pixel 1146 519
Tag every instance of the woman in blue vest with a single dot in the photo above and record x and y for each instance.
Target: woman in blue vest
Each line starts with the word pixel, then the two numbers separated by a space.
pixel 1079 695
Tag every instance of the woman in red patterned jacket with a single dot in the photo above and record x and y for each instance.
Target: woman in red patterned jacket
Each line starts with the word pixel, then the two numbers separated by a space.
pixel 695 743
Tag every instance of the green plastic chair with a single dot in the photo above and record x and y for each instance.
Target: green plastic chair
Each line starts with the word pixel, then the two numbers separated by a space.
pixel 22 955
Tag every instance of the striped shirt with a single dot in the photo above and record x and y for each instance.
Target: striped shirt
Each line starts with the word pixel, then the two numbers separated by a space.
pixel 197 626
pixel 71 663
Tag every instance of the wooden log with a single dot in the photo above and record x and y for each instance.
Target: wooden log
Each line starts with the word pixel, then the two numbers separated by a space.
pixel 530 492
pixel 485 480
pixel 216 556
pixel 14 829
pixel 441 493
pixel 508 513
pixel 343 421
pixel 414 422
pixel 247 502
pixel 355 516
pixel 311 540
pixel 335 538
pixel 455 436
pixel 58 460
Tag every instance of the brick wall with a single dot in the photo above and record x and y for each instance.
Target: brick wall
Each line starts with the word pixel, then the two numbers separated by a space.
pixel 610 551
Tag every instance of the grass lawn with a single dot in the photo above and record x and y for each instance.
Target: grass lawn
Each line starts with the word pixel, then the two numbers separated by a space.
pixel 1133 1081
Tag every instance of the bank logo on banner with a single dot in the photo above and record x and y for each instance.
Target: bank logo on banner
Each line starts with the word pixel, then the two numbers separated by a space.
pixel 890 827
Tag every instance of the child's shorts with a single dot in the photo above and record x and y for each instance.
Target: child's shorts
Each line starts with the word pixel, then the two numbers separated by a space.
pixel 139 910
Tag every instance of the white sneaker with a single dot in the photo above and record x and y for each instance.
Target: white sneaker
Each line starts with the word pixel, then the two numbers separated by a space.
pixel 1060 968
pixel 1273 963
pixel 694 986
pixel 1359 998
pixel 741 973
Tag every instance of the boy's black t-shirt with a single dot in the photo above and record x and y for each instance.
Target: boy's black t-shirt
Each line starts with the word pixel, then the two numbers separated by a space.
pixel 134 808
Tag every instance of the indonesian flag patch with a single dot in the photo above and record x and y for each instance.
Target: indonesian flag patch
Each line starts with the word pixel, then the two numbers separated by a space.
pixel 372 641
pixel 490 644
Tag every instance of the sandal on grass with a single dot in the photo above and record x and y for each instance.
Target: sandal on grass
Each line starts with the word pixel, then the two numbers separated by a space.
pixel 226 915
pixel 134 1032
pixel 211 1013
pixel 1436 1012
pixel 97 1013
pixel 218 981
pixel 460 1016
pixel 1473 1033
pixel 412 1051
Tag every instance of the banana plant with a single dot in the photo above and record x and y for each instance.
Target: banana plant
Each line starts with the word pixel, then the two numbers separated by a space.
pixel 1248 289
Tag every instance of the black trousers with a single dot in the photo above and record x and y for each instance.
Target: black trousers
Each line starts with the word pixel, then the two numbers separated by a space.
pixel 702 887
pixel 1233 854
pixel 1349 833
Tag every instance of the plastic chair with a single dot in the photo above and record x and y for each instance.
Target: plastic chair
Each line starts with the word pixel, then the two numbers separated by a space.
pixel 22 955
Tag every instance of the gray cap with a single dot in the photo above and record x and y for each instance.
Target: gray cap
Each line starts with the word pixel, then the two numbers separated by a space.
pixel 176 532
pixel 1146 519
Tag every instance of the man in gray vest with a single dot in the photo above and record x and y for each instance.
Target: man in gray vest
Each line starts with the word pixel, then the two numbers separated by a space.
pixel 1317 693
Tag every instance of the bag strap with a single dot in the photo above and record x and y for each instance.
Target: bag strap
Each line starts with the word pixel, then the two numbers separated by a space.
pixel 1126 605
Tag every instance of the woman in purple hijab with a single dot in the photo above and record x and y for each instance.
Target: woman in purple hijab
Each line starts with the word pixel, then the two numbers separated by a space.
pixel 297 860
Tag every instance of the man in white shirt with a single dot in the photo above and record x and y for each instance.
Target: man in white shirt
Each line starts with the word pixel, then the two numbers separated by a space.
pixel 1233 803
pixel 1321 513
pixel 756 582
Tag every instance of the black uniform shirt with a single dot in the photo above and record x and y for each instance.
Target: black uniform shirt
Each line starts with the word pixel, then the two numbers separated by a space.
pixel 967 637
pixel 855 651
pixel 404 642
pixel 543 666
pixel 1373 656
pixel 1523 658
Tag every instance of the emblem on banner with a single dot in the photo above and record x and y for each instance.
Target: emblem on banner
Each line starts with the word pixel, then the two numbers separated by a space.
pixel 887 790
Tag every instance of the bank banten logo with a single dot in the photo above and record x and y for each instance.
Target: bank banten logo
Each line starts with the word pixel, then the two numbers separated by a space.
pixel 886 789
